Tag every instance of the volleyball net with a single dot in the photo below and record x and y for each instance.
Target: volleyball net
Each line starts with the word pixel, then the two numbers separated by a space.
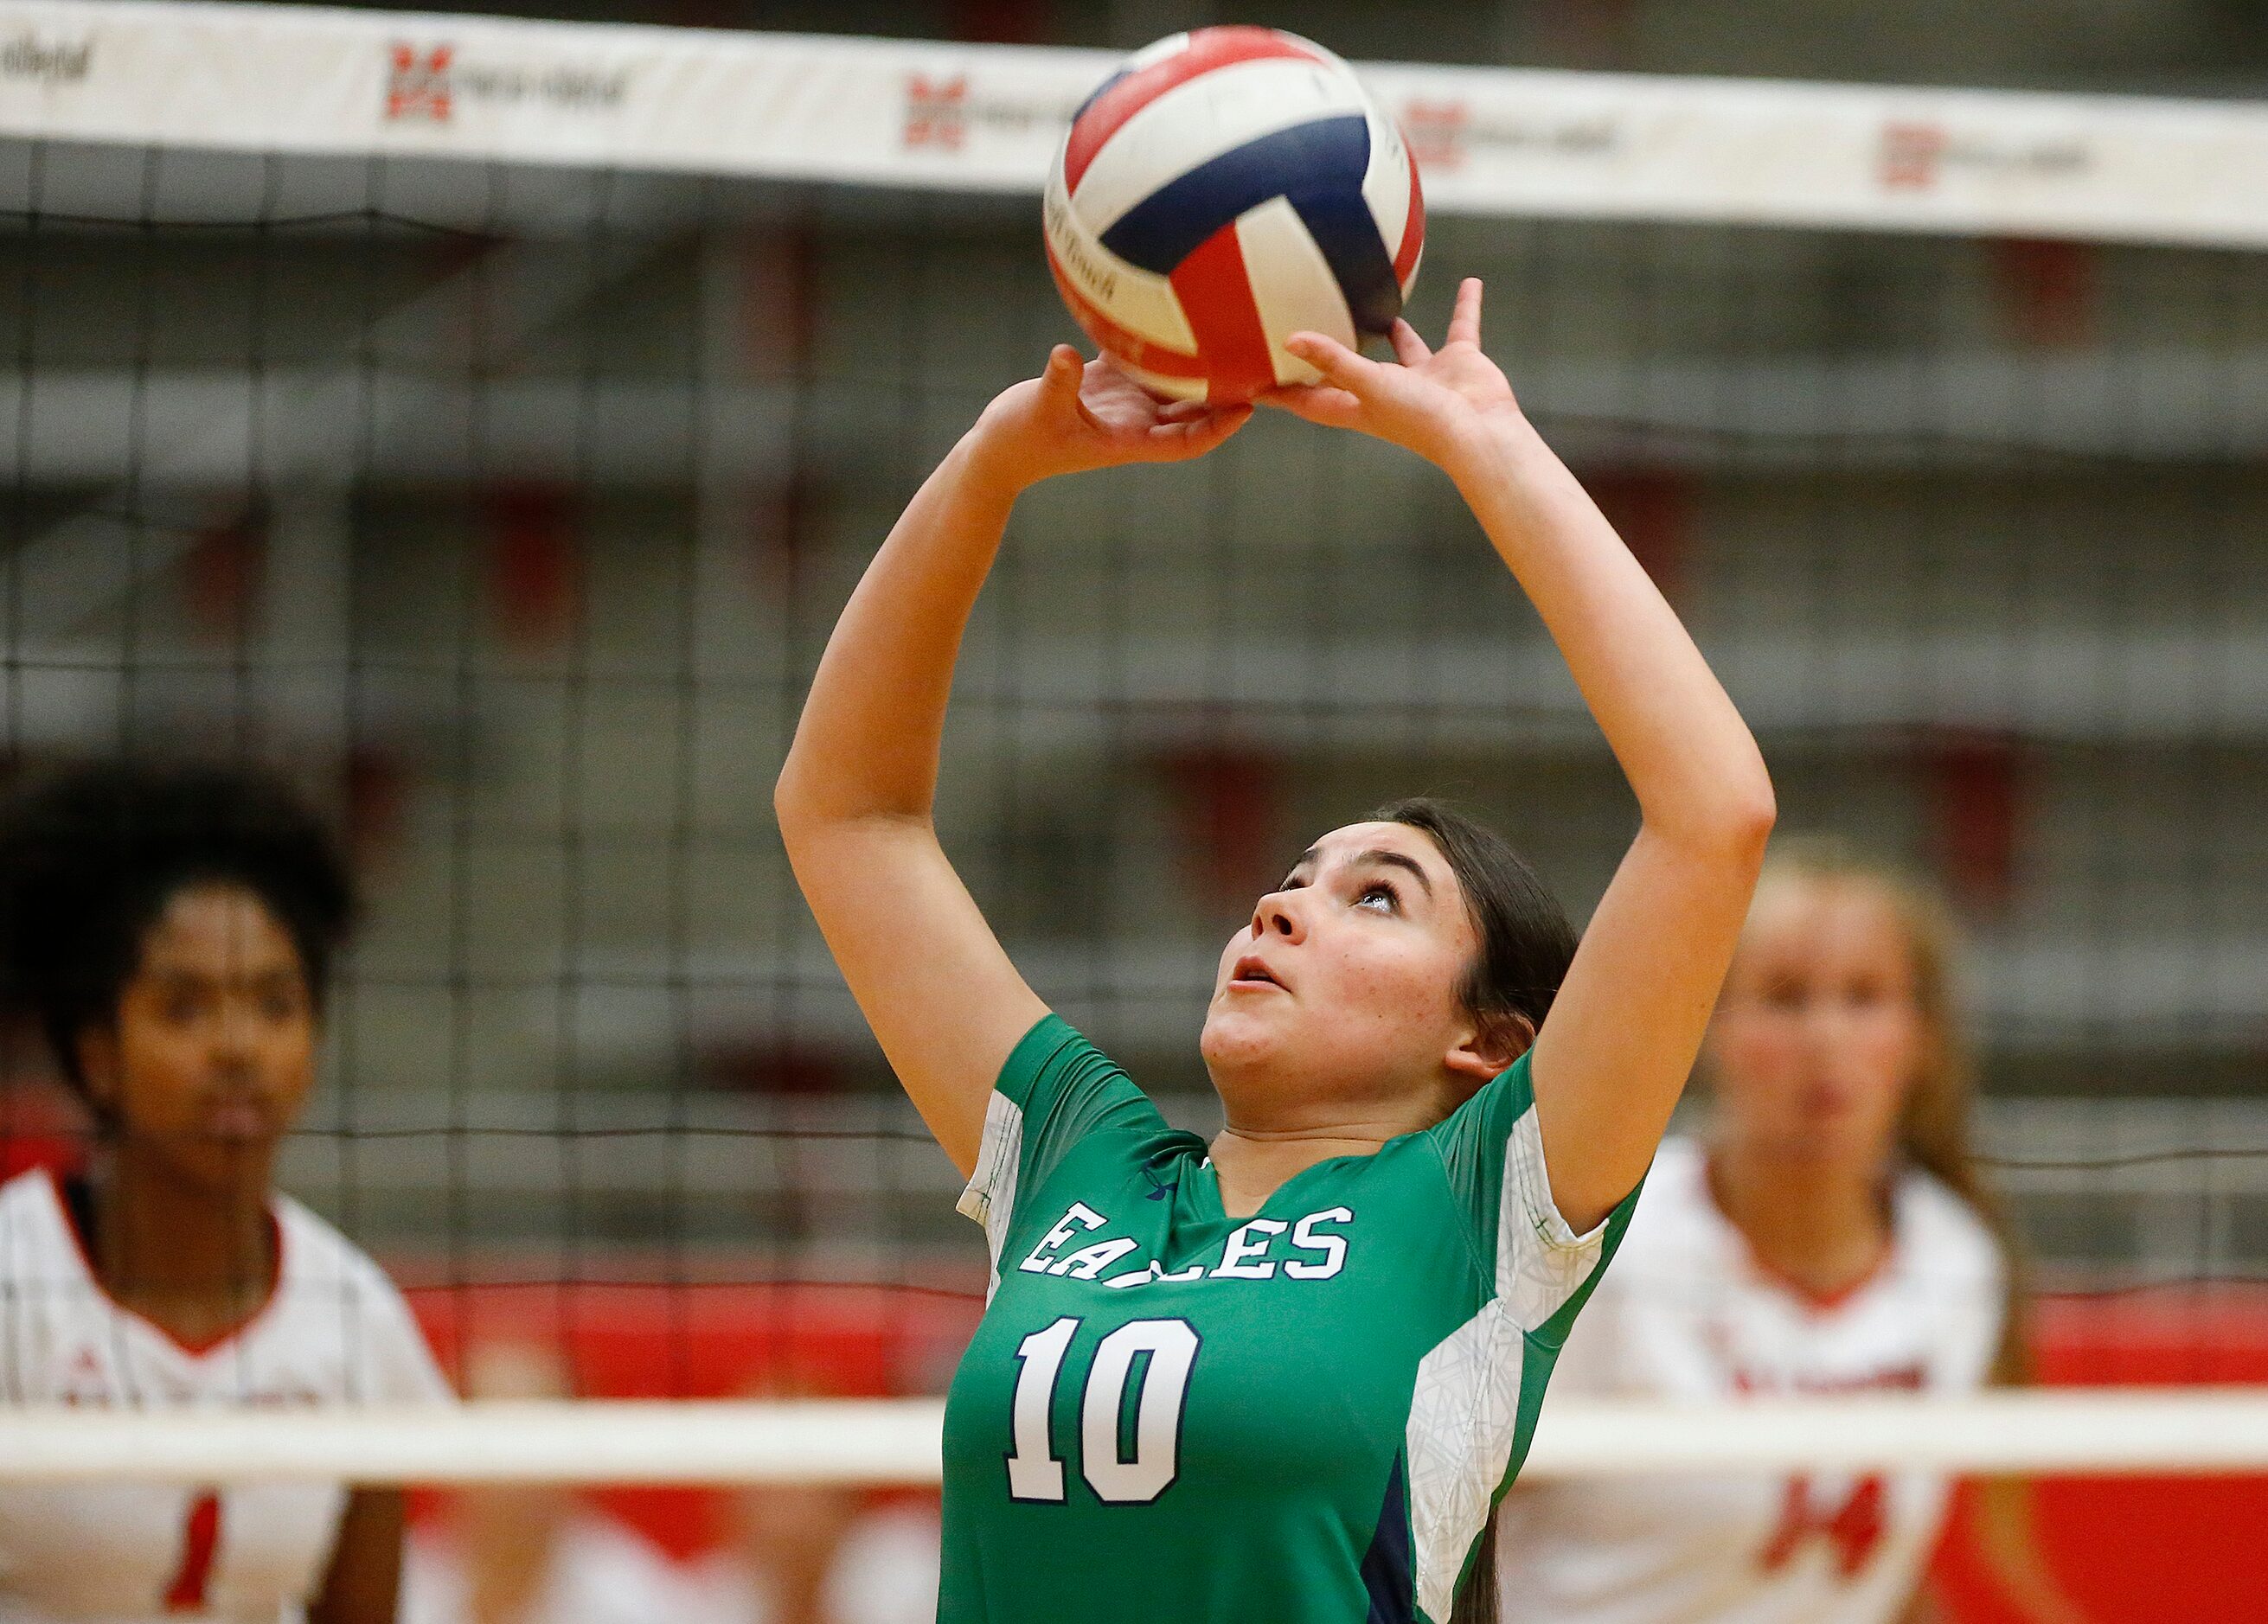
pixel 485 420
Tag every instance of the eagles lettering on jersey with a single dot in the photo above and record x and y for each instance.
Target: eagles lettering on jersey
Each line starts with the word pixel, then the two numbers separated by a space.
pixel 334 1331
pixel 1316 1251
pixel 1302 1414
pixel 1689 1314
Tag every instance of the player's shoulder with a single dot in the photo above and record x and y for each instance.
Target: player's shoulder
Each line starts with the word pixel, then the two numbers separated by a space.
pixel 317 1255
pixel 31 1214
pixel 1934 1222
pixel 32 1190
pixel 1675 1215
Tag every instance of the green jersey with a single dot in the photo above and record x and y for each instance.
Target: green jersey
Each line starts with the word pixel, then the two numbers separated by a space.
pixel 1300 1417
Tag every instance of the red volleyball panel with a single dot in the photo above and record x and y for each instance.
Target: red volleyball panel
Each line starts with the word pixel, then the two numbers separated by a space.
pixel 1130 348
pixel 1208 49
pixel 1413 229
pixel 1216 296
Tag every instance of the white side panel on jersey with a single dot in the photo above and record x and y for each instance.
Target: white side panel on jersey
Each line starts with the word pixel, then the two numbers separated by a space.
pixel 1386 183
pixel 1292 287
pixel 1464 1414
pixel 1196 122
pixel 990 1197
pixel 1144 305
pixel 1540 1263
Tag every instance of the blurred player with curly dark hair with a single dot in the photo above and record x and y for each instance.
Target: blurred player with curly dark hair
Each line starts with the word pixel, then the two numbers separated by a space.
pixel 171 930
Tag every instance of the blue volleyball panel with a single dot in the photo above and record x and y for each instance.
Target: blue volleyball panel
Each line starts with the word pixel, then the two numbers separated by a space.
pixel 1344 229
pixel 1325 155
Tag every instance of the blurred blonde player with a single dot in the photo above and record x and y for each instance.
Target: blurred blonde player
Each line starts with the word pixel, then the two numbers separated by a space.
pixel 1830 1234
pixel 530 1552
pixel 169 932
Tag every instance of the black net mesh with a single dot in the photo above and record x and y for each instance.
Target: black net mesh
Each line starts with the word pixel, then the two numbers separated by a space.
pixel 506 510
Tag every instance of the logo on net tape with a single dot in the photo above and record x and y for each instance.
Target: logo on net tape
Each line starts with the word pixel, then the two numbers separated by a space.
pixel 432 83
pixel 942 112
pixel 1915 154
pixel 937 112
pixel 1444 132
pixel 46 62
pixel 417 83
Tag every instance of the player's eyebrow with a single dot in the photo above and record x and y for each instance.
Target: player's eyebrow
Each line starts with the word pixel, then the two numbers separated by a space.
pixel 1397 860
pixel 1376 854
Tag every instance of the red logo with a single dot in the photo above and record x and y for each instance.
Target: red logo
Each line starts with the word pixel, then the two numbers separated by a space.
pixel 418 86
pixel 1851 1530
pixel 937 112
pixel 1436 132
pixel 1911 154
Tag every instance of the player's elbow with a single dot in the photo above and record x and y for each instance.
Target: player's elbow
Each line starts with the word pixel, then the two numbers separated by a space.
pixel 1729 825
pixel 798 806
pixel 1751 809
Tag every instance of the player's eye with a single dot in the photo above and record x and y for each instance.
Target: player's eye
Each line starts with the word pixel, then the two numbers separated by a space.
pixel 1379 897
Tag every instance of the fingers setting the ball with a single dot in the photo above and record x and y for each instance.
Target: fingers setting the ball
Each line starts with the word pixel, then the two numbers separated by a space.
pixel 1465 320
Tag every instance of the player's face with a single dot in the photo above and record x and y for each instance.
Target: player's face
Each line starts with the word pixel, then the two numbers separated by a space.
pixel 1342 988
pixel 213 1048
pixel 1819 1030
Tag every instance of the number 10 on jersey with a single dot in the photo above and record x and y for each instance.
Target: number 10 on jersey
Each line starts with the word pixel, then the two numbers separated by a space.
pixel 1127 1460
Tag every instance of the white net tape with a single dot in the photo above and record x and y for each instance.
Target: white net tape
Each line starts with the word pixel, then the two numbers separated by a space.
pixel 1490 141
pixel 896 1441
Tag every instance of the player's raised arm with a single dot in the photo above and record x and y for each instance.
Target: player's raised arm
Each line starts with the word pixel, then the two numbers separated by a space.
pixel 854 798
pixel 1614 1053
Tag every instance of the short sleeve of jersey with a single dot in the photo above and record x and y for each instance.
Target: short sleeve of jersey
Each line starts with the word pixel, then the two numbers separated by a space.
pixel 1492 1151
pixel 1055 1089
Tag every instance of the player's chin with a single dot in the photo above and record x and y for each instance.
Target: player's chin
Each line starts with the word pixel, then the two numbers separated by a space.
pixel 1236 1034
pixel 219 1163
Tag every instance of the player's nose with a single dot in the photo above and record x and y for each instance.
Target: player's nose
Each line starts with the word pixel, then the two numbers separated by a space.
pixel 1278 914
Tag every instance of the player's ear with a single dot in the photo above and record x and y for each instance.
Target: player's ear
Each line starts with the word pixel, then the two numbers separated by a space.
pixel 1485 1046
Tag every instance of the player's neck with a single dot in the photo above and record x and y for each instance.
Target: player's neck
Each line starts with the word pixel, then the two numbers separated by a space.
pixel 193 1259
pixel 1823 1227
pixel 1252 1163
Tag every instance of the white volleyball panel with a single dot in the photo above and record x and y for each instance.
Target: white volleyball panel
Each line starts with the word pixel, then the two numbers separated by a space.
pixel 1159 384
pixel 1196 122
pixel 1157 51
pixel 1386 183
pixel 1291 284
pixel 1142 303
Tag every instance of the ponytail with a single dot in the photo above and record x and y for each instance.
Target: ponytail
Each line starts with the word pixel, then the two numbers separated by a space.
pixel 1477 1601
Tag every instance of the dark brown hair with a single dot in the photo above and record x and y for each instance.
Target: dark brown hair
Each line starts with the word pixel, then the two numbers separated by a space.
pixel 90 858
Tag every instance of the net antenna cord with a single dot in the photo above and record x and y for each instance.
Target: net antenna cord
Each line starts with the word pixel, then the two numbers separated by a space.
pixel 908 113
pixel 898 1441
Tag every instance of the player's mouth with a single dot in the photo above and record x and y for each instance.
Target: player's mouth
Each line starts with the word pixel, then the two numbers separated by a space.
pixel 237 1114
pixel 1251 975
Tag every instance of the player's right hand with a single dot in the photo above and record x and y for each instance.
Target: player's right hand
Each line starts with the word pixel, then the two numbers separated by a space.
pixel 1078 416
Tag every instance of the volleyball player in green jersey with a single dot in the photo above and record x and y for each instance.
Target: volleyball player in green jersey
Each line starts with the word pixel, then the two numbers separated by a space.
pixel 1281 1378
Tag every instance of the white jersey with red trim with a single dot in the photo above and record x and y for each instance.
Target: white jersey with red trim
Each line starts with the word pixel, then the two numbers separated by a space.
pixel 334 1331
pixel 1688 1314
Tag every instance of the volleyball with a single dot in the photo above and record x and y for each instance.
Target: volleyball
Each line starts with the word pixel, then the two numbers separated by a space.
pixel 1226 188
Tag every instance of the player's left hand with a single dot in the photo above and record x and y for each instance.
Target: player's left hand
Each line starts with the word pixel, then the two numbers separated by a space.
pixel 1427 400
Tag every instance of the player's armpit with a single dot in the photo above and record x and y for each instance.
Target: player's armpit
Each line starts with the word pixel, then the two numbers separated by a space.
pixel 363 1583
pixel 933 981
